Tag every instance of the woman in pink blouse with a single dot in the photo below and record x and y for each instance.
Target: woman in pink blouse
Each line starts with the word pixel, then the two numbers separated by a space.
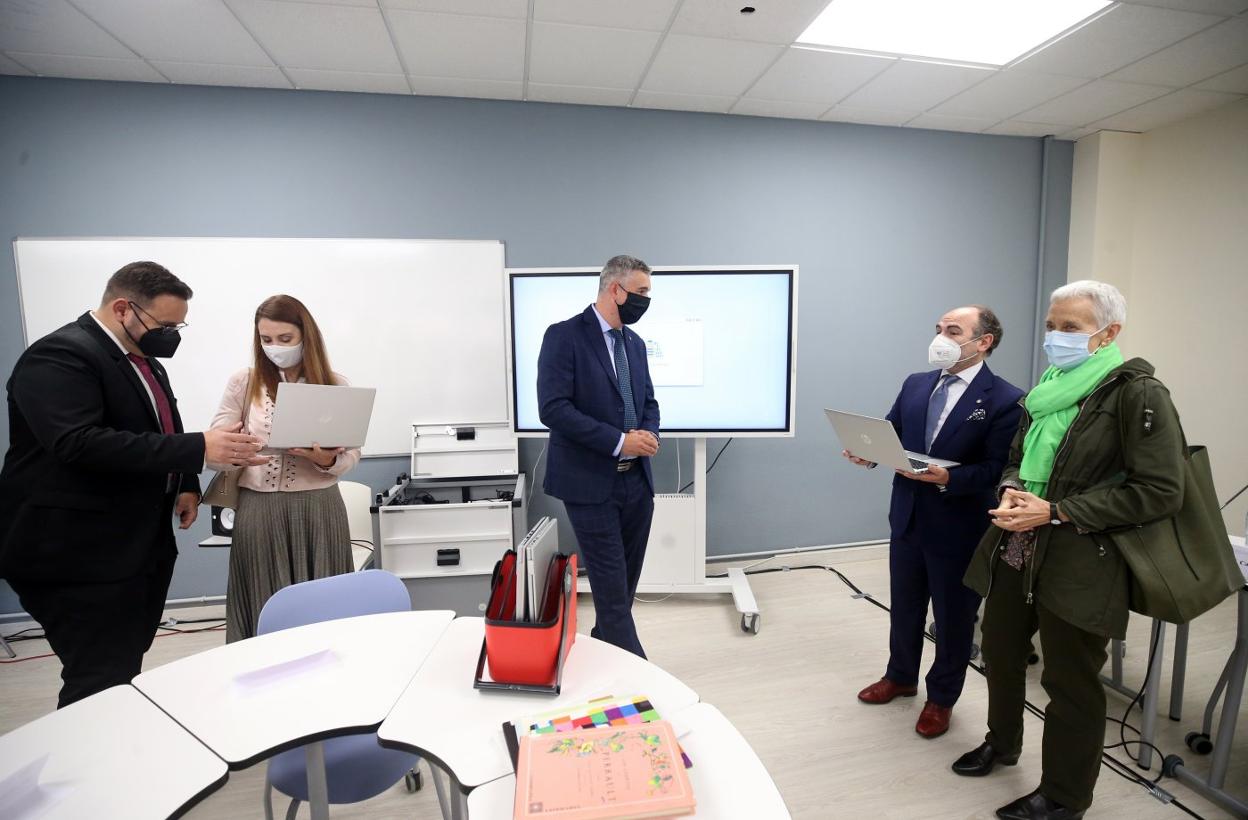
pixel 291 524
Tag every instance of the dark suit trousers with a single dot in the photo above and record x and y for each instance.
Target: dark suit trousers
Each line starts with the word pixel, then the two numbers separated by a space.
pixel 1074 720
pixel 98 630
pixel 612 537
pixel 922 569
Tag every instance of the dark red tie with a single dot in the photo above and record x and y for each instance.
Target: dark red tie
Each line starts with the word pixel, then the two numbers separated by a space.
pixel 158 393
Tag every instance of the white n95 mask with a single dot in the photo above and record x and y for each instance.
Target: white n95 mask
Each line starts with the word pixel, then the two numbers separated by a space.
pixel 284 356
pixel 943 352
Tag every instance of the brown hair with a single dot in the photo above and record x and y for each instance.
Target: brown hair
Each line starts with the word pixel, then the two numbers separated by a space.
pixel 315 365
pixel 142 282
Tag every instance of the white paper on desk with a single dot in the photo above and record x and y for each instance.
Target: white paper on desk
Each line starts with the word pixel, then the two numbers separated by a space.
pixel 22 797
pixel 273 673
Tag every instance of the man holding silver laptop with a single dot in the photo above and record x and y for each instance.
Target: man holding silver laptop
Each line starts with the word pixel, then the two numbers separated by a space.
pixel 958 420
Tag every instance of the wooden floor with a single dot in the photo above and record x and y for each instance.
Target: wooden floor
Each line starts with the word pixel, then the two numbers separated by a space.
pixel 790 691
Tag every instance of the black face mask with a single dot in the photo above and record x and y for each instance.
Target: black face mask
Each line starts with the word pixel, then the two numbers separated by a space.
pixel 159 342
pixel 634 307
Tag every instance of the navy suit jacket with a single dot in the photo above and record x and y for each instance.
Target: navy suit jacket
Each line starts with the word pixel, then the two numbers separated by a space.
pixel 977 435
pixel 579 399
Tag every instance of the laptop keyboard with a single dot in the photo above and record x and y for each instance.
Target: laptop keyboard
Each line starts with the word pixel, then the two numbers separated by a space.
pixel 918 464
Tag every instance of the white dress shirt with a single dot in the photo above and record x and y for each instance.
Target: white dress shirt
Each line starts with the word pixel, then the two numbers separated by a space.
pixel 609 337
pixel 955 391
pixel 129 361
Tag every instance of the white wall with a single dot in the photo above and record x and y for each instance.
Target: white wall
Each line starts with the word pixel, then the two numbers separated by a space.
pixel 1164 216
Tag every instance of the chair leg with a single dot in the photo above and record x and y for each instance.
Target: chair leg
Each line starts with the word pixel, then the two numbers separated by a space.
pixel 293 810
pixel 268 797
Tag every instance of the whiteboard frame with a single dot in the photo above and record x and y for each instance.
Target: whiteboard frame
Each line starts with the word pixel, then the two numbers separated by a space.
pixel 791 432
pixel 26 340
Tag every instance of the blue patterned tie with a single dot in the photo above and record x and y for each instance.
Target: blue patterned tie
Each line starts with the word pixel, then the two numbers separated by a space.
pixel 936 405
pixel 625 379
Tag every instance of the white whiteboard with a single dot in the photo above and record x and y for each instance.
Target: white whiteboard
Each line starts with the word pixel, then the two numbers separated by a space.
pixel 422 321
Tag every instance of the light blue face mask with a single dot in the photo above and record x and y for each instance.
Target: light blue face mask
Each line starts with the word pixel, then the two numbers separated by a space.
pixel 1066 351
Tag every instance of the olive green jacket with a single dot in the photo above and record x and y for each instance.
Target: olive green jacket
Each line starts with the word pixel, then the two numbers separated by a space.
pixel 1121 464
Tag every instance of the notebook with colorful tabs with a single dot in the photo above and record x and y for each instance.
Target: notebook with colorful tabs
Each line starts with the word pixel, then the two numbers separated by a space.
pixel 603 773
pixel 605 711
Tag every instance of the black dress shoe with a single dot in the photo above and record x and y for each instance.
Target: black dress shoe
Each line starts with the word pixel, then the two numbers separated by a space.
pixel 1036 806
pixel 980 761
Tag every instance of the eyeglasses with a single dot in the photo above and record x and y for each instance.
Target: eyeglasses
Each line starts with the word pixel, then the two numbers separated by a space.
pixel 163 325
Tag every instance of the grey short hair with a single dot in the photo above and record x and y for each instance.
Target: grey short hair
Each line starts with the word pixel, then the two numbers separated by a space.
pixel 617 268
pixel 1108 305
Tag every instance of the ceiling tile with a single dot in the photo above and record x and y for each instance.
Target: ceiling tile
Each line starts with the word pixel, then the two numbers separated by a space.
pixel 1018 128
pixel 1234 81
pixel 449 45
pixel 869 116
pixel 912 85
pixel 1122 35
pixel 1006 93
pixel 210 74
pixel 89 68
pixel 196 31
pixel 1197 58
pixel 683 102
pixel 488 89
pixel 7 66
pixel 314 80
pixel 1171 108
pixel 54 27
pixel 705 67
pixel 779 108
pixel 581 95
pixel 944 122
pixel 322 37
pixel 773 22
pixel 573 55
pixel 1227 7
pixel 1078 133
pixel 515 9
pixel 813 76
pixel 1092 102
pixel 644 15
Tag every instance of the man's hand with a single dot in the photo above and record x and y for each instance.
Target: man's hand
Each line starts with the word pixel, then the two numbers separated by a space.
pixel 639 443
pixel 934 475
pixel 861 462
pixel 186 509
pixel 226 445
pixel 1020 511
pixel 321 458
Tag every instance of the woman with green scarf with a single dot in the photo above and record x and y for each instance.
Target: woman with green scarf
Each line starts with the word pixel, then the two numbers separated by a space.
pixel 1099 448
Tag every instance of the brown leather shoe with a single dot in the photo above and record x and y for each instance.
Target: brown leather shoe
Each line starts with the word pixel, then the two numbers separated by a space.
pixel 933 720
pixel 884 690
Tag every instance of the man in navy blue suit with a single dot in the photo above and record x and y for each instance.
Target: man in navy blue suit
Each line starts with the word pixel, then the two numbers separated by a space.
pixel 595 395
pixel 960 412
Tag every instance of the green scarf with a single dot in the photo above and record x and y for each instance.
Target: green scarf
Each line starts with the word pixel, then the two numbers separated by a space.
pixel 1053 405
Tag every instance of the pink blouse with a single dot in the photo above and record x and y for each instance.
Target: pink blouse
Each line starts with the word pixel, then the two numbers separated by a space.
pixel 283 473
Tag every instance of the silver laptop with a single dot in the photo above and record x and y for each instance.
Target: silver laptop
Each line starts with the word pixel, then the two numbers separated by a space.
pixel 325 414
pixel 875 440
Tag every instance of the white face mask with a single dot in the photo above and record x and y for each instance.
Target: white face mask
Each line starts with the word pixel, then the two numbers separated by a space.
pixel 284 356
pixel 944 352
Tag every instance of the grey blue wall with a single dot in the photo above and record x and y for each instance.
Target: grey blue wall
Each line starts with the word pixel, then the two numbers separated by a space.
pixel 890 227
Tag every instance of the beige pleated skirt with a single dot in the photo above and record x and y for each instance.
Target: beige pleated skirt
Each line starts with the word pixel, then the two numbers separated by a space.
pixel 279 539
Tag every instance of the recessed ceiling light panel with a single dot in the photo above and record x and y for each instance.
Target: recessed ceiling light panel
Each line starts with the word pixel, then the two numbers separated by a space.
pixel 990 32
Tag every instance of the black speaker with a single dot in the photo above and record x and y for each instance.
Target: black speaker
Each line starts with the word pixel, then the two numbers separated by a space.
pixel 223 521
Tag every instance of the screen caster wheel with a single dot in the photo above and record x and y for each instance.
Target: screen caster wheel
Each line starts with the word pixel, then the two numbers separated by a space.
pixel 750 623
pixel 1198 742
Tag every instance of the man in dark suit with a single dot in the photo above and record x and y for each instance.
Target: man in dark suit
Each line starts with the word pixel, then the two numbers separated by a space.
pixel 97 466
pixel 595 395
pixel 960 412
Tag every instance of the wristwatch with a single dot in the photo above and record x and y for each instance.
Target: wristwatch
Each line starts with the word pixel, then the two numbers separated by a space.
pixel 1054 518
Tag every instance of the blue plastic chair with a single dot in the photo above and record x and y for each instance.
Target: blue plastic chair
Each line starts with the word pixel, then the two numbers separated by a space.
pixel 356 766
